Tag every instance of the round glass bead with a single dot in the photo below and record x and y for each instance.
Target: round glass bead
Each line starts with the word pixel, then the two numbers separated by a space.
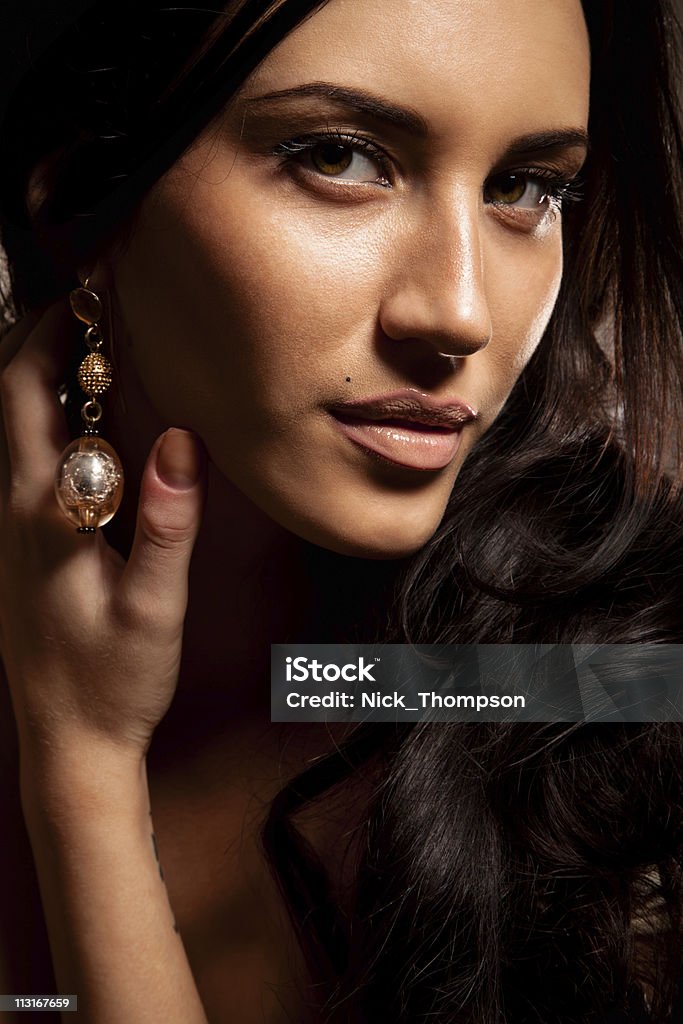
pixel 89 482
pixel 86 305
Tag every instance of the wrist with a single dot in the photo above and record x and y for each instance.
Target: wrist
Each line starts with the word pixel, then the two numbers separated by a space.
pixel 80 778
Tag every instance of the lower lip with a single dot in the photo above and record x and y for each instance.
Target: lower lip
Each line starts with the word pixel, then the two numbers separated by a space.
pixel 426 448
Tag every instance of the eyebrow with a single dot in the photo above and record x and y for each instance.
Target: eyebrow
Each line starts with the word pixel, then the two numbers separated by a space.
pixel 554 138
pixel 364 102
pixel 409 120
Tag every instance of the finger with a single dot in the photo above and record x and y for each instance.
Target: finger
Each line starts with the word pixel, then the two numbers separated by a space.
pixel 153 585
pixel 34 422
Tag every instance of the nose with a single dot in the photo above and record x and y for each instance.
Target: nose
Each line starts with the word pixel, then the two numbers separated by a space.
pixel 437 291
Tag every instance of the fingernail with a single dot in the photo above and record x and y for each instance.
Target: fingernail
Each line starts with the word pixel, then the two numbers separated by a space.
pixel 178 459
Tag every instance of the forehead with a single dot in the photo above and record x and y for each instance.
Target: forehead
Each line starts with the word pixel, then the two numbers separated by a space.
pixel 462 63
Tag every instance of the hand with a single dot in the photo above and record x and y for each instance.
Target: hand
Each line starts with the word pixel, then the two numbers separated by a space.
pixel 91 643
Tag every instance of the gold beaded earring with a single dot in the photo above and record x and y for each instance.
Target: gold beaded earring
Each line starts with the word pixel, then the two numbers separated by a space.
pixel 89 477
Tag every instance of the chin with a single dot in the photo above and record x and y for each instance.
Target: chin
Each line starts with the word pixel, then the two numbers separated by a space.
pixel 367 519
pixel 378 539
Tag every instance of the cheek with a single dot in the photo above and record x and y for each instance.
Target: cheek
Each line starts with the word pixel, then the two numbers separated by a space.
pixel 285 282
pixel 523 292
pixel 265 295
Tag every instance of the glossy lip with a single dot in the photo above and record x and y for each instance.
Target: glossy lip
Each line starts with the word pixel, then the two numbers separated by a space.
pixel 409 407
pixel 406 428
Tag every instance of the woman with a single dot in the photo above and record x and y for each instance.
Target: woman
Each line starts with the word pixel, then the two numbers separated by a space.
pixel 376 375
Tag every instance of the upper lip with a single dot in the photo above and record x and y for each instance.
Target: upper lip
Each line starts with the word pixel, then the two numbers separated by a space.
pixel 410 406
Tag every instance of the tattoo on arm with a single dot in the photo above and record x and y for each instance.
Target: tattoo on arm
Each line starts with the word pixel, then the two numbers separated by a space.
pixel 156 854
pixel 155 847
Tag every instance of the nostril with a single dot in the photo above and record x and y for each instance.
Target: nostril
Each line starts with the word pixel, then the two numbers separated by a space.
pixel 466 349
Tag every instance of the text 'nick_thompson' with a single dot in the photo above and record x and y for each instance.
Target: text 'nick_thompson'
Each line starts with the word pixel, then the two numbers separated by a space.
pixel 298 670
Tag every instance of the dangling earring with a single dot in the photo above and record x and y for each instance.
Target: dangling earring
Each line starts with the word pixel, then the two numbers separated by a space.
pixel 89 477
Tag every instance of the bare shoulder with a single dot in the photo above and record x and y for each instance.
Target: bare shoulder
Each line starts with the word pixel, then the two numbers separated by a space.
pixel 25 966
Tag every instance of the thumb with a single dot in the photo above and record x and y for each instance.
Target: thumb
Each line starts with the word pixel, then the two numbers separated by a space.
pixel 172 492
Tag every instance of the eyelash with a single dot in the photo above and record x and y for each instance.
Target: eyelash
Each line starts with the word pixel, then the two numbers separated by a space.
pixel 558 189
pixel 291 148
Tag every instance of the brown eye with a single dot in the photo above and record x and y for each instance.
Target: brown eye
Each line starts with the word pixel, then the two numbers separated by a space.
pixel 352 159
pixel 330 158
pixel 507 188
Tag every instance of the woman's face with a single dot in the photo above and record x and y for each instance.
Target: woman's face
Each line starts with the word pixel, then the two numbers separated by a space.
pixel 377 216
